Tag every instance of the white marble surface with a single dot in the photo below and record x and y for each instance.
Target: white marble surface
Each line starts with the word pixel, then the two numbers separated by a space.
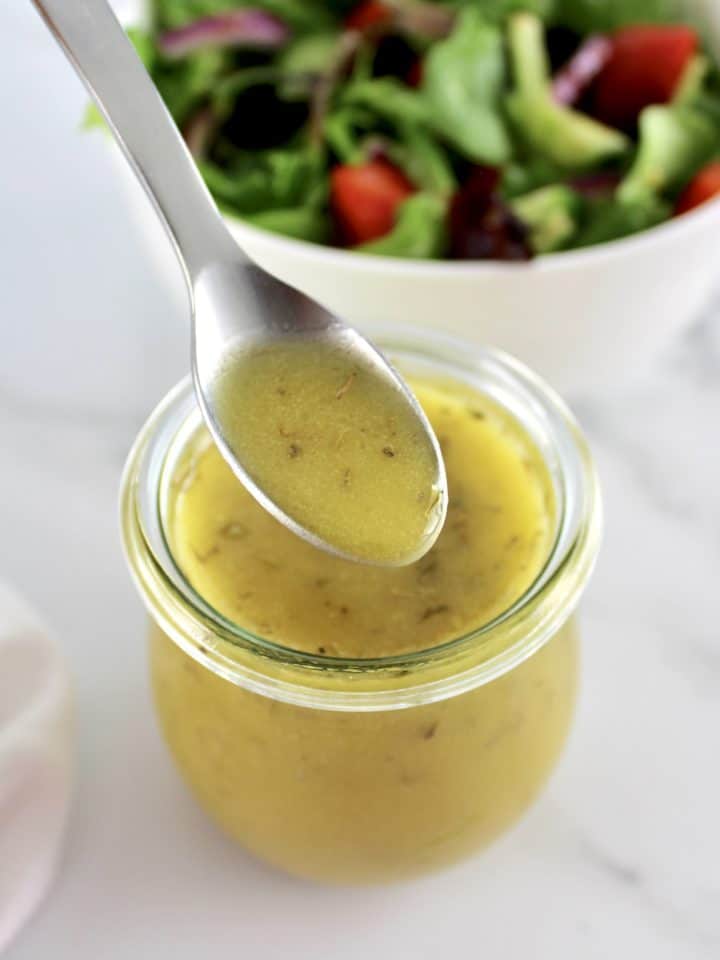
pixel 621 856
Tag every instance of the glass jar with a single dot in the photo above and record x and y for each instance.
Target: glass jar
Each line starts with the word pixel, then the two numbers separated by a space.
pixel 367 770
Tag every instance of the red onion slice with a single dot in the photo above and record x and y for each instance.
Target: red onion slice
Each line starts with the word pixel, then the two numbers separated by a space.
pixel 572 80
pixel 239 28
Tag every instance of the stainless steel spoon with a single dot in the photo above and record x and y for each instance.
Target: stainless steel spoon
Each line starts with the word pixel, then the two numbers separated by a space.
pixel 234 303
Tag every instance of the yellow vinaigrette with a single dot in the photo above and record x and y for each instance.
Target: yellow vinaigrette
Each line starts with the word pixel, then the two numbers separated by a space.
pixel 254 571
pixel 364 796
pixel 335 447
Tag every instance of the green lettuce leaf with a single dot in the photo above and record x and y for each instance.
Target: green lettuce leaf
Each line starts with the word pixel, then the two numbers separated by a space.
pixel 306 58
pixel 675 141
pixel 600 16
pixel 607 220
pixel 551 214
pixel 259 181
pixel 186 84
pixel 346 130
pixel 387 98
pixel 424 160
pixel 308 222
pixel 462 86
pixel 530 173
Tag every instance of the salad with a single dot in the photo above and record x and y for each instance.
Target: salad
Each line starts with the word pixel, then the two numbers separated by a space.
pixel 474 129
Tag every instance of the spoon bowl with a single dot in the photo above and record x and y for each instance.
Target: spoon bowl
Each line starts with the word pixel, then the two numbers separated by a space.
pixel 277 316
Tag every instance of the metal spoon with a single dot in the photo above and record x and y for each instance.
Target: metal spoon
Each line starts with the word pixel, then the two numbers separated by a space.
pixel 234 303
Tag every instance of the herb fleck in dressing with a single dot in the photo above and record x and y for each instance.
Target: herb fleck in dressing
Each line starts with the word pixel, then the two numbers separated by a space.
pixel 335 447
pixel 497 535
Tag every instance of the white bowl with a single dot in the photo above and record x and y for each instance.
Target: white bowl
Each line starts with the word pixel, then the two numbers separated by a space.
pixel 586 320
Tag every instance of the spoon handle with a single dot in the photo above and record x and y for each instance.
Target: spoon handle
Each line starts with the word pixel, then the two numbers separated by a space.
pixel 100 52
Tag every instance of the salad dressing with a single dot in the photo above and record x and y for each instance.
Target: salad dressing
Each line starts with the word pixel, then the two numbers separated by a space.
pixel 259 574
pixel 336 447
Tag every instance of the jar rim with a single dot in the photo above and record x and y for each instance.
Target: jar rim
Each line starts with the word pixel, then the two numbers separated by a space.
pixel 400 680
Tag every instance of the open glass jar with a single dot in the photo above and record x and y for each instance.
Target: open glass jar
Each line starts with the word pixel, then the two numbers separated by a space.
pixel 369 769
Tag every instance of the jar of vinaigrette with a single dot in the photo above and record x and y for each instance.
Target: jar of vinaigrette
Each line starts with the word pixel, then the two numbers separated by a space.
pixel 351 723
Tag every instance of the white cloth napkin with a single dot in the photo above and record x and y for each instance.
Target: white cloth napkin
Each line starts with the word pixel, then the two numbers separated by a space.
pixel 36 760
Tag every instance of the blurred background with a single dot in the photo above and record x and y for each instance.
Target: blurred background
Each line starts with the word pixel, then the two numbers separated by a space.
pixel 620 857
